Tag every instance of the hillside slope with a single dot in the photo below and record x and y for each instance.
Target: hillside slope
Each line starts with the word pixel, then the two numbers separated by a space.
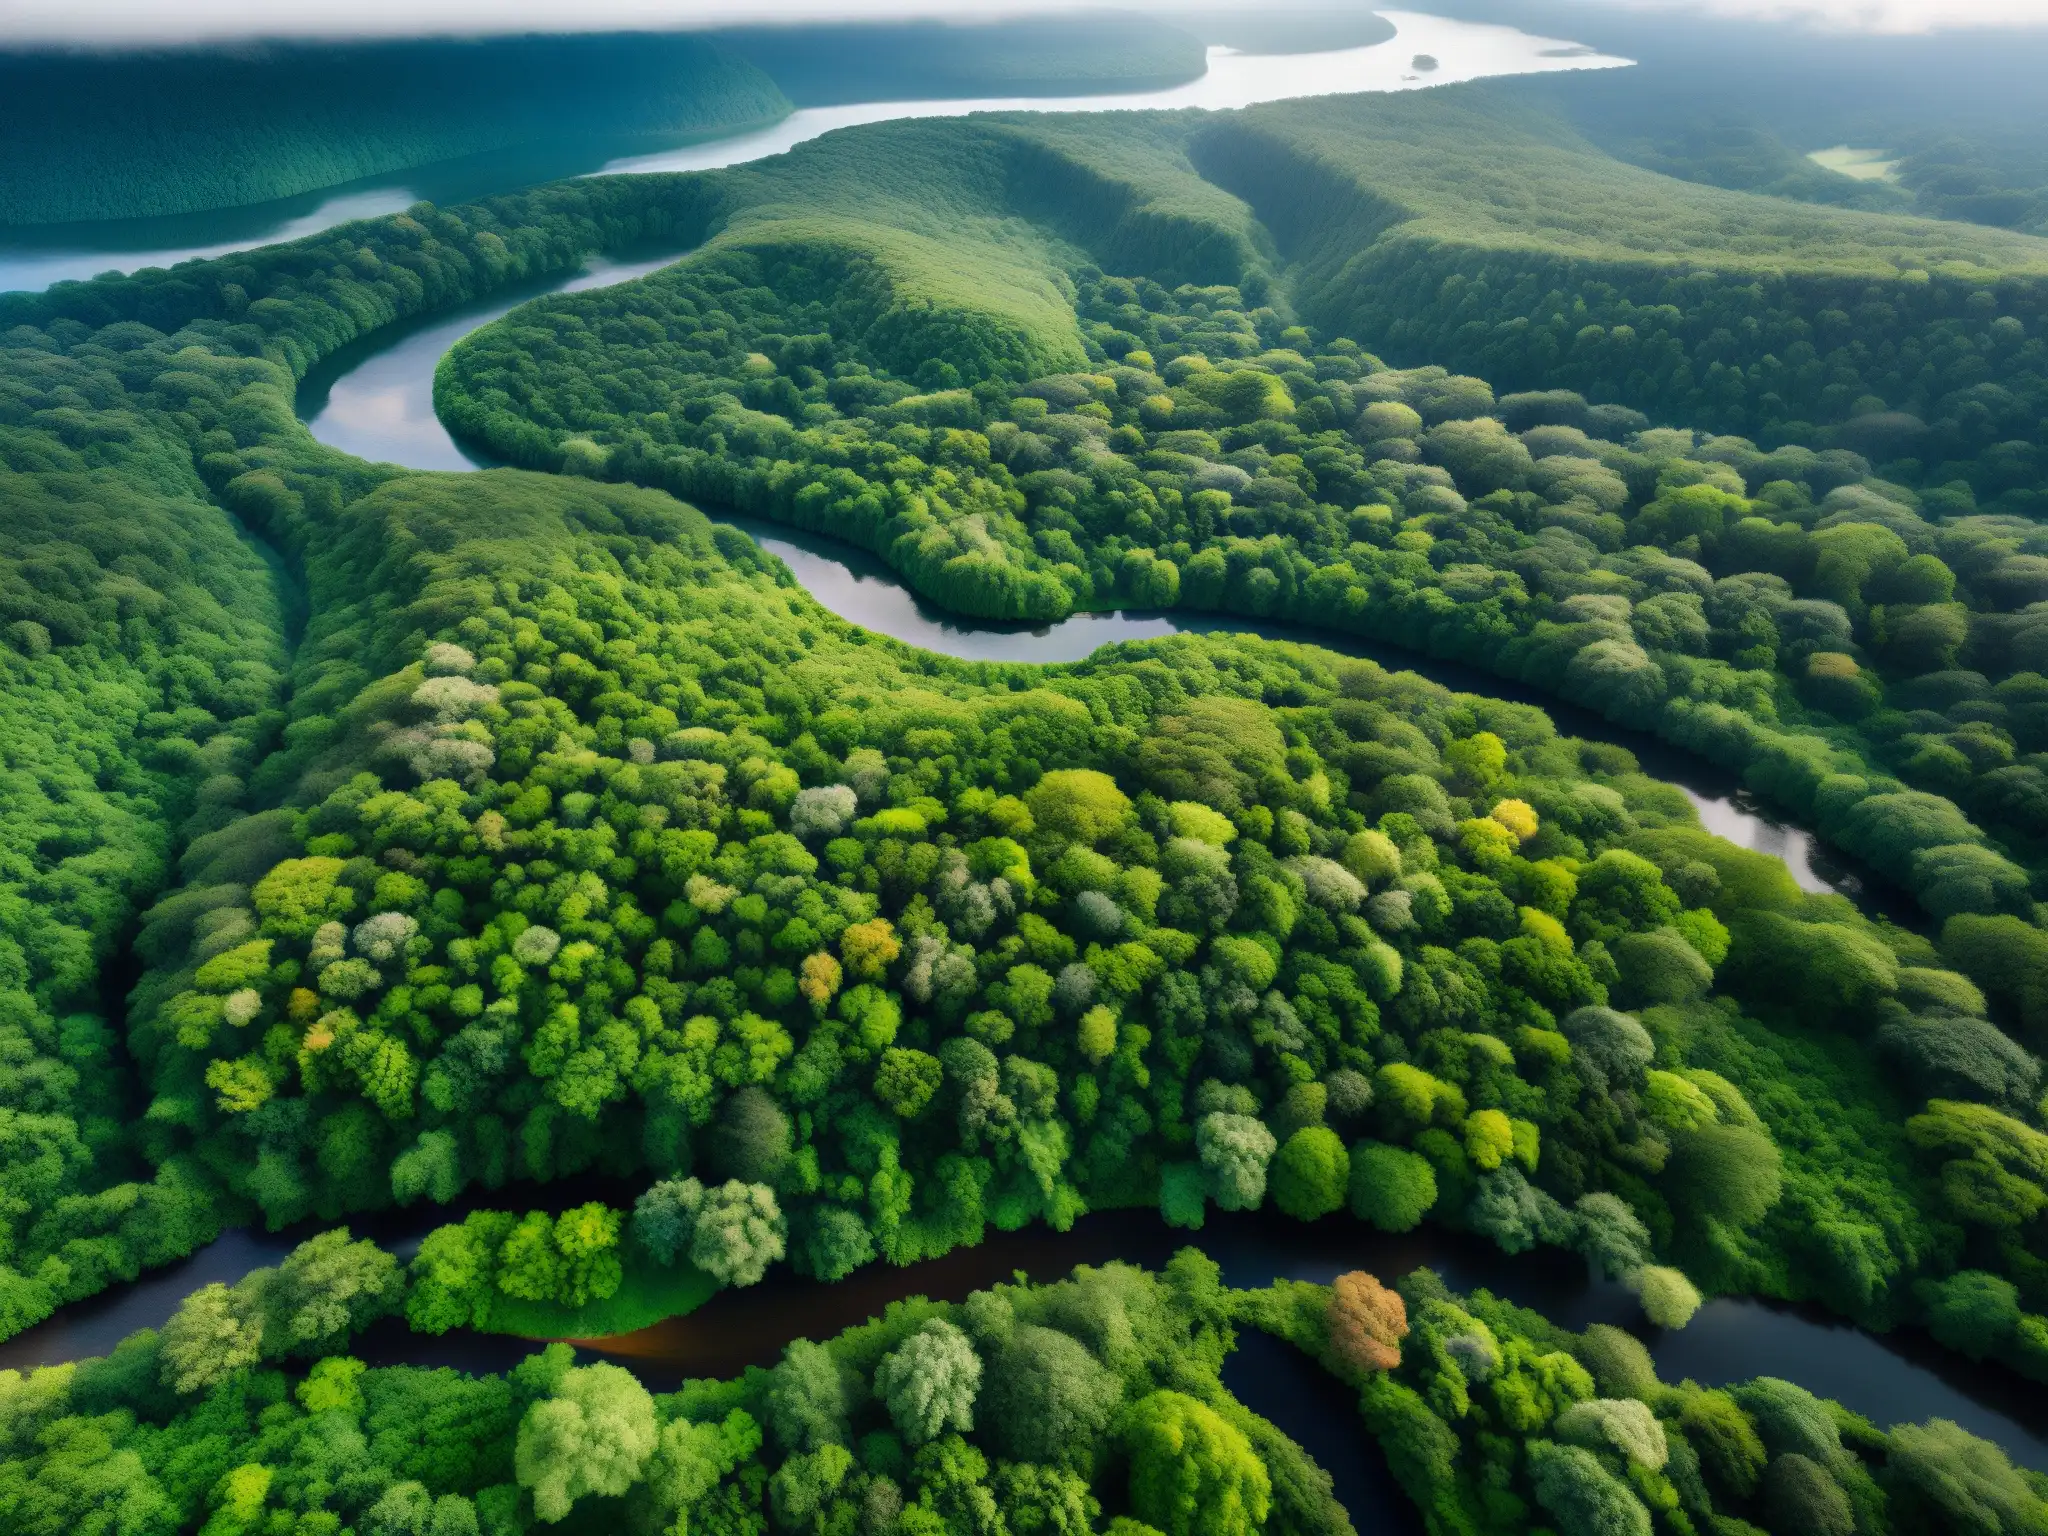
pixel 1472 228
pixel 930 60
pixel 103 136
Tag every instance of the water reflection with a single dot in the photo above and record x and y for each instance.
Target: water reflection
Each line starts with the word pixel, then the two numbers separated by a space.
pixel 375 397
pixel 94 1326
pixel 1464 50
pixel 32 259
pixel 1888 1380
pixel 1738 817
pixel 1320 1414
pixel 859 587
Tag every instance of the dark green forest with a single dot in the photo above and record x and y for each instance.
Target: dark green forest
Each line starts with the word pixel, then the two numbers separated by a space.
pixel 1736 109
pixel 1217 459
pixel 388 838
pixel 127 135
pixel 1097 1402
pixel 120 135
pixel 928 60
pixel 970 884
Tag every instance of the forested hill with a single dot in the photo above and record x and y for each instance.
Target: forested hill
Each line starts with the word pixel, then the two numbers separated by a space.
pixel 1553 264
pixel 99 136
pixel 1958 117
pixel 926 60
pixel 103 136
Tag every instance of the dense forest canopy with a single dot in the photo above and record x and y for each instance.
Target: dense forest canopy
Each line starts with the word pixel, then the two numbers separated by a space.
pixel 1329 486
pixel 1101 1402
pixel 471 832
pixel 345 1009
pixel 125 135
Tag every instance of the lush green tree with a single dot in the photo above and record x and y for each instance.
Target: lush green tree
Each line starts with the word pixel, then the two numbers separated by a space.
pixel 1390 1187
pixel 1611 1235
pixel 1235 1150
pixel 1618 1424
pixel 1943 1475
pixel 803 1486
pixel 737 1231
pixel 807 1405
pixel 1045 1398
pixel 1581 1495
pixel 1311 1174
pixel 663 1217
pixel 591 1435
pixel 1078 803
pixel 1619 1361
pixel 1994 1167
pixel 214 1333
pixel 326 1289
pixel 1973 1312
pixel 1515 1214
pixel 1799 1495
pixel 930 1382
pixel 1192 1473
pixel 1668 1297
pixel 690 1459
pixel 829 1242
pixel 1731 1173
pixel 1724 1438
pixel 752 1138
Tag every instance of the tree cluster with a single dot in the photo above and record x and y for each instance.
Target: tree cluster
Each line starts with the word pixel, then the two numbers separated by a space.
pixel 1493 1419
pixel 1026 1410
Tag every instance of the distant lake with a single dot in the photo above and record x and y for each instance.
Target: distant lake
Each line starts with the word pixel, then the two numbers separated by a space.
pixel 33 259
pixel 1462 50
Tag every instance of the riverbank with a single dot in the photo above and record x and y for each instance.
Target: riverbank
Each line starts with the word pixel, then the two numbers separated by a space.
pixel 33 258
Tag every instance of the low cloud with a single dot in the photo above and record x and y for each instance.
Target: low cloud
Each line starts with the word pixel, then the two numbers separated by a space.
pixel 131 22
pixel 1879 16
pixel 145 22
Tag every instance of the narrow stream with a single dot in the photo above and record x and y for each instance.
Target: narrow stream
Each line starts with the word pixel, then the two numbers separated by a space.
pixel 32 258
pixel 1889 1380
pixel 375 399
pixel 860 587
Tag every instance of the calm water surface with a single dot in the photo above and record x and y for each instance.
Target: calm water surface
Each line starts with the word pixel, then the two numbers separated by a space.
pixel 34 259
pixel 1464 50
pixel 376 401
pixel 374 398
pixel 860 587
pixel 1890 1380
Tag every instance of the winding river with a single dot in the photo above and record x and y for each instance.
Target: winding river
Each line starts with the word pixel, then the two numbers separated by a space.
pixel 33 258
pixel 376 401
